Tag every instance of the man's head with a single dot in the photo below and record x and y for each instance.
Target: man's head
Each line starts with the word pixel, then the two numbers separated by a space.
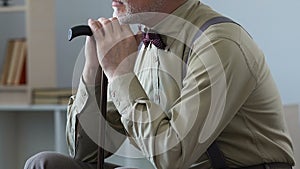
pixel 131 11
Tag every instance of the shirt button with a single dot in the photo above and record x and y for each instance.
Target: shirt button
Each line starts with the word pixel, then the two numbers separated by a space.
pixel 84 93
pixel 156 97
pixel 117 102
pixel 113 94
pixel 155 59
pixel 79 136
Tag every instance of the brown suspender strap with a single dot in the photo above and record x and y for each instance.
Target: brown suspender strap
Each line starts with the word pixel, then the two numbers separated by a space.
pixel 216 157
pixel 212 21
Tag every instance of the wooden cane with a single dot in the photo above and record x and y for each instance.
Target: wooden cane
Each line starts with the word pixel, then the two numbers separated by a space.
pixel 103 109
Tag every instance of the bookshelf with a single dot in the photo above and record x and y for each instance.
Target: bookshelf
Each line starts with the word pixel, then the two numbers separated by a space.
pixel 26 129
pixel 41 53
pixel 19 8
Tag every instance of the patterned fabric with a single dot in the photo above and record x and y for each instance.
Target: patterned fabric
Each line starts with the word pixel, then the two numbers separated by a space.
pixel 154 39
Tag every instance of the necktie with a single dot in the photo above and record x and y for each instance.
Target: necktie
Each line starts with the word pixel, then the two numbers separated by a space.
pixel 154 39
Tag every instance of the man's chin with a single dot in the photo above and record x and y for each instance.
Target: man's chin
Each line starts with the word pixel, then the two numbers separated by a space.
pixel 122 17
pixel 137 18
pixel 118 14
pixel 128 19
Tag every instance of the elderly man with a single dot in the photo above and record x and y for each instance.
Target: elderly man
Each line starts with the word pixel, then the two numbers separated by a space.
pixel 192 91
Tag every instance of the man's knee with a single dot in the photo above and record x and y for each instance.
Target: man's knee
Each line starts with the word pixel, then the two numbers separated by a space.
pixel 43 160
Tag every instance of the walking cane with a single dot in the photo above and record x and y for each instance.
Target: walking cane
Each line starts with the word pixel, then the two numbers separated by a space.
pixel 85 30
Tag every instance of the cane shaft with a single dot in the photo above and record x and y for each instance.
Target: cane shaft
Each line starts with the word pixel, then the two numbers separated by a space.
pixel 103 108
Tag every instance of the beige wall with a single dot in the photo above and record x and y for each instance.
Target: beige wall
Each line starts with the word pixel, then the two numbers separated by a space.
pixel 292 114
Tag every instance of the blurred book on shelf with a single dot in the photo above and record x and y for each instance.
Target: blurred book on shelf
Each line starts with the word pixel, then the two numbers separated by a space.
pixel 51 95
pixel 14 69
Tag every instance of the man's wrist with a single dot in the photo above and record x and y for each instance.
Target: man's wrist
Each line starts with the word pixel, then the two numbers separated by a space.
pixel 91 75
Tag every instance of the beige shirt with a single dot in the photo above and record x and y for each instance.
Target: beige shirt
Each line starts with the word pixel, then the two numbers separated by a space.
pixel 177 102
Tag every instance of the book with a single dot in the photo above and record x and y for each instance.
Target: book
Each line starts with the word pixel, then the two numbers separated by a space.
pixel 23 78
pixel 51 100
pixel 21 65
pixel 13 63
pixel 14 67
pixel 7 60
pixel 51 95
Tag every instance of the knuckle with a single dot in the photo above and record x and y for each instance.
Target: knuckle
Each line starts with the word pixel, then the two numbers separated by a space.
pixel 104 20
pixel 95 25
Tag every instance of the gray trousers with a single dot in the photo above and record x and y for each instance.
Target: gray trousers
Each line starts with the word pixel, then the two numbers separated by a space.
pixel 53 160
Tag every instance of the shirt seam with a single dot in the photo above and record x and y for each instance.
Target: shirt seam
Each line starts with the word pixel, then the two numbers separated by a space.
pixel 255 139
pixel 253 74
pixel 247 61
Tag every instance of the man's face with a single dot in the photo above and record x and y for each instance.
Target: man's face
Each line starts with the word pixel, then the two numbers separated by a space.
pixel 129 10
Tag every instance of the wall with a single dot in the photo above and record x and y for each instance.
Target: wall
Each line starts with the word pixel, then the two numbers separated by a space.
pixel 20 139
pixel 292 115
pixel 68 14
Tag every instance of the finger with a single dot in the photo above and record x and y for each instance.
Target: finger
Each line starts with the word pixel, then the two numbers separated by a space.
pixel 104 21
pixel 90 41
pixel 107 26
pixel 115 25
pixel 96 28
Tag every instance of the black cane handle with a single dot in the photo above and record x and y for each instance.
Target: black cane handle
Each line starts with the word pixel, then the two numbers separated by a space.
pixel 79 30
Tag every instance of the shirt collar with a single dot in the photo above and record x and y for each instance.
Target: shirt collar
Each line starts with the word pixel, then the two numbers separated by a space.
pixel 170 27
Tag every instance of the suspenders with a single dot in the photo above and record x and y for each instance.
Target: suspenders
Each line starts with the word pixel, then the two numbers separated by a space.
pixel 216 157
pixel 212 21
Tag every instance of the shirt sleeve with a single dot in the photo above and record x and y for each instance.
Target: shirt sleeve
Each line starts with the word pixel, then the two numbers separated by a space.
pixel 76 104
pixel 216 84
pixel 83 118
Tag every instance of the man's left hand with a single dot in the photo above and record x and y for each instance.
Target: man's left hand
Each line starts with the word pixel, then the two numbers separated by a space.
pixel 116 45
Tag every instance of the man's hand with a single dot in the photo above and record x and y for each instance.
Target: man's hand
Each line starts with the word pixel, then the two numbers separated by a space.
pixel 116 46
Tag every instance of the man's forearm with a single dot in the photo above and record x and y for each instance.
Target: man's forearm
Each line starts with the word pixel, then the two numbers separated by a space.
pixel 91 75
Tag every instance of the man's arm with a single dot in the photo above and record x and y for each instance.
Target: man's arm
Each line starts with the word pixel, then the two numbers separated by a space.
pixel 84 114
pixel 209 99
pixel 83 117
